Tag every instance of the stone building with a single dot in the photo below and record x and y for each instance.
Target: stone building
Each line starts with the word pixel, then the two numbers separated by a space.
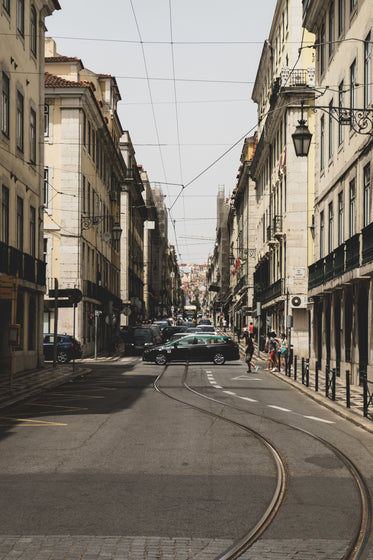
pixel 22 267
pixel 83 174
pixel 284 183
pixel 340 280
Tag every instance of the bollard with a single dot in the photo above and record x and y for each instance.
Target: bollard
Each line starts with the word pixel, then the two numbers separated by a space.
pixel 317 376
pixel 303 371
pixel 365 397
pixel 333 384
pixel 327 380
pixel 295 367
pixel 348 392
pixel 307 372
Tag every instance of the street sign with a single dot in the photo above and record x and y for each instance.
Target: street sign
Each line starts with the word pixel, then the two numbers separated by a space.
pixel 74 295
pixel 51 303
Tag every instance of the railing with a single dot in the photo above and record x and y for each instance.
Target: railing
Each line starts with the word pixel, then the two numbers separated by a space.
pixel 273 291
pixel 339 260
pixel 298 77
pixel 329 268
pixel 316 274
pixel 277 225
pixel 367 251
pixel 13 261
pixel 353 252
pixel 101 294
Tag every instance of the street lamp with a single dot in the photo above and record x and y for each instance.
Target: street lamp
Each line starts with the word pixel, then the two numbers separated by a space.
pixel 360 121
pixel 88 222
pixel 302 137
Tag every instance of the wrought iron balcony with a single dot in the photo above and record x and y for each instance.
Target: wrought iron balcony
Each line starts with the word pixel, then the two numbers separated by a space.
pixel 273 291
pixel 353 252
pixel 316 274
pixel 367 250
pixel 13 262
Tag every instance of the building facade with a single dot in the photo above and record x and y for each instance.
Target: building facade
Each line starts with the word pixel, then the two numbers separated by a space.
pixel 83 174
pixel 340 280
pixel 22 267
pixel 284 183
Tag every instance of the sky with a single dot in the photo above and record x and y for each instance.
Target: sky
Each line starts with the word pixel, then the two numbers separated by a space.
pixel 185 70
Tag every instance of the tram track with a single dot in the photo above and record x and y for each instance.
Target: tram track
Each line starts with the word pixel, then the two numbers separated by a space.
pixel 282 475
pixel 358 543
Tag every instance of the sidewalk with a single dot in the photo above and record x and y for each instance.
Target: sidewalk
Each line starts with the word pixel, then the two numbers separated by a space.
pixel 355 413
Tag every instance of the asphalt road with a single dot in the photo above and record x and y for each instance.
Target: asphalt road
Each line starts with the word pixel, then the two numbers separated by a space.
pixel 107 455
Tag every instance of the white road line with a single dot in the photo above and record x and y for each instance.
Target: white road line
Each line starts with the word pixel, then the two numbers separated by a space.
pixel 319 419
pixel 208 371
pixel 279 408
pixel 218 386
pixel 247 399
pixel 230 393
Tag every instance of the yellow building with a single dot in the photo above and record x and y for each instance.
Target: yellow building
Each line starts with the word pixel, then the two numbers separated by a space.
pixel 83 174
pixel 22 28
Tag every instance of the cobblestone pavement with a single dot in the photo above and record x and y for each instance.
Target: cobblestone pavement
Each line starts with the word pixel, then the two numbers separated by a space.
pixel 161 548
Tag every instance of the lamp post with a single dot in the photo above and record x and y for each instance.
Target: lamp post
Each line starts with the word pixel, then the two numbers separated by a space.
pixel 302 137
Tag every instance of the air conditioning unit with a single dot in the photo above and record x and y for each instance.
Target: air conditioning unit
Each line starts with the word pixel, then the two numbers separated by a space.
pixel 298 302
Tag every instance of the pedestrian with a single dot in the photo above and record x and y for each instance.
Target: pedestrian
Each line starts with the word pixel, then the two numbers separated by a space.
pixel 224 325
pixel 251 330
pixel 273 346
pixel 245 334
pixel 249 351
pixel 283 351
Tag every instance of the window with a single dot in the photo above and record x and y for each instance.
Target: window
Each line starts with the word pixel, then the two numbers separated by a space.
pixel 84 131
pixel 331 125
pixel 46 120
pixel 322 49
pixel 330 227
pixel 6 6
pixel 32 231
pixel 20 121
pixel 366 186
pixel 46 187
pixel 89 199
pixel 89 137
pixel 367 70
pixel 331 29
pixel 83 196
pixel 352 208
pixel 5 104
pixel 340 105
pixel 21 17
pixel 19 223
pixel 322 234
pixel 5 215
pixel 322 143
pixel 352 88
pixel 33 31
pixel 341 17
pixel 32 136
pixel 340 218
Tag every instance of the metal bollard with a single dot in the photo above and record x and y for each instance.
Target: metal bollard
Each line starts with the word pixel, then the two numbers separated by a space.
pixel 303 371
pixel 365 397
pixel 348 390
pixel 317 376
pixel 307 372
pixel 295 367
pixel 333 384
pixel 327 380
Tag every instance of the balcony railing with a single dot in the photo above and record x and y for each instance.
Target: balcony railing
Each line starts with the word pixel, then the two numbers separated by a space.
pixel 273 291
pixel 298 77
pixel 353 252
pixel 316 274
pixel 367 251
pixel 13 261
pixel 339 260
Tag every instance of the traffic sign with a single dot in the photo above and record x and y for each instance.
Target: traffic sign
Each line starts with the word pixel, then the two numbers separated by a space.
pixel 74 295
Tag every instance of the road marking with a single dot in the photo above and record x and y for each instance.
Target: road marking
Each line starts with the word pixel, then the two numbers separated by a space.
pixel 208 371
pixel 247 399
pixel 218 386
pixel 230 393
pixel 279 408
pixel 319 419
pixel 32 422
pixel 247 378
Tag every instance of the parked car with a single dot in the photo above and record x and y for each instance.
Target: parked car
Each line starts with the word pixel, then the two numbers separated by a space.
pixel 204 322
pixel 201 348
pixel 206 329
pixel 139 338
pixel 167 332
pixel 68 348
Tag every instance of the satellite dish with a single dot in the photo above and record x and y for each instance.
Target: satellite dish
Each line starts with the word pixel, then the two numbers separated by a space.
pixel 106 236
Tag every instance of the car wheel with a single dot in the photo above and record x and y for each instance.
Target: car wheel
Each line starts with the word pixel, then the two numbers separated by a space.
pixel 62 357
pixel 218 359
pixel 161 359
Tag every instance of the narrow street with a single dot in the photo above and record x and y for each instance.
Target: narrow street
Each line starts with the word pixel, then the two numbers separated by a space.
pixel 108 467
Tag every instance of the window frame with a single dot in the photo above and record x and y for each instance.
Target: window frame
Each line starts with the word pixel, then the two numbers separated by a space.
pixel 33 31
pixel 331 28
pixel 331 131
pixel 5 216
pixel 351 208
pixel 367 70
pixel 322 234
pixel 5 104
pixel 20 223
pixel 366 195
pixel 21 17
pixel 340 218
pixel 340 106
pixel 322 143
pixel 32 231
pixel 33 135
pixel 20 121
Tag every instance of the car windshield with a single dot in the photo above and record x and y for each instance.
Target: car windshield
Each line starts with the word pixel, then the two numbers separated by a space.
pixel 142 334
